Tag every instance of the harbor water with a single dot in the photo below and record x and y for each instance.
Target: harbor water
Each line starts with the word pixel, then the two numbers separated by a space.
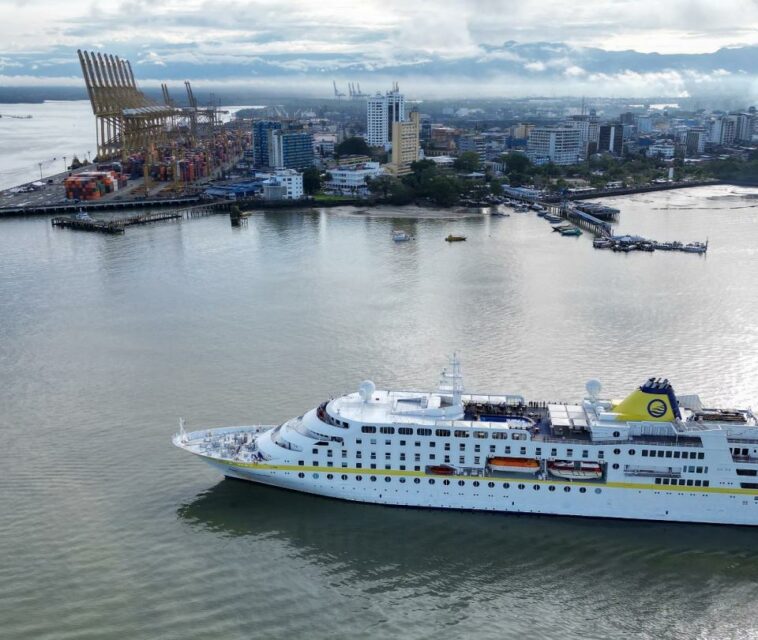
pixel 107 531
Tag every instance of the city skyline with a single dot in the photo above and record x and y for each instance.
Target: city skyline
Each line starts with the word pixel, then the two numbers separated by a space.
pixel 480 48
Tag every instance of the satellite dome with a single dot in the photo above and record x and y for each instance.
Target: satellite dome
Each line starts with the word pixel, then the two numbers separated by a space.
pixel 593 388
pixel 366 390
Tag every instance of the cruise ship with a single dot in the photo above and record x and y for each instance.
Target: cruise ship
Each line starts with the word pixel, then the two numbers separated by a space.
pixel 650 456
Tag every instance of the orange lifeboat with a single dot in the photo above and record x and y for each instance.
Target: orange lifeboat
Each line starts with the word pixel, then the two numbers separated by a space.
pixel 441 470
pixel 514 465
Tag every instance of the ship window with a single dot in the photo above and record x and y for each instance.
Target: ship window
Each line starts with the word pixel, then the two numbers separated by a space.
pixel 616 434
pixel 432 444
pixel 431 480
pixel 461 483
pixel 387 479
pixel 301 462
pixel 417 443
pixel 459 433
pixel 330 464
pixel 359 478
pixel 358 441
pixel 315 452
pixel 372 441
pixel 368 429
pixel 373 478
pixel 344 453
pixel 598 490
pixel 417 457
pixel 663 481
pixel 499 435
pixel 480 434
pixel 491 485
pixel 447 458
pixel 689 483
pixel 506 485
pixel 431 456
pixel 329 453
pixel 743 472
pixel 601 455
pixel 373 465
pixel 402 443
pixel 416 480
pixel 387 455
pixel 402 480
pixel 443 433
pixel 477 448
pixel 492 448
pixel 373 455
pixel 698 483
pixel 521 486
pixel 359 465
pixel 388 442
pixel 447 446
pixel 476 483
pixel 523 451
pixel 315 463
pixel 538 451
pixel 387 430
pixel 660 453
pixel 329 476
pixel 508 449
pixel 344 476
pixel 677 454
pixel 476 459
pixel 388 466
pixel 631 452
pixel 553 452
pixel 692 455
pixel 551 487
pixel 668 454
pixel 402 456
pixel 462 447
pixel 615 465
pixel 644 453
pixel 582 489
pixel 423 432
pixel 700 456
pixel 461 459
pixel 585 453
pixel 301 475
pixel 446 482
pixel 706 483
pixel 536 487
pixel 616 452
pixel 567 489
pixel 405 431
pixel 417 468
pixel 359 454
pixel 402 467
pixel 344 464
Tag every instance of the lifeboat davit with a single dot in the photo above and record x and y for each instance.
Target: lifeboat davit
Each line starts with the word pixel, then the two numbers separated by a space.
pixel 514 465
pixel 575 470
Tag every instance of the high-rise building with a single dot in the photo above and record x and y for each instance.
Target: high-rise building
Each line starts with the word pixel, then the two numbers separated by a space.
pixel 290 149
pixel 382 111
pixel 745 127
pixel 405 144
pixel 644 124
pixel 694 143
pixel 611 138
pixel 474 143
pixel 557 144
pixel 261 141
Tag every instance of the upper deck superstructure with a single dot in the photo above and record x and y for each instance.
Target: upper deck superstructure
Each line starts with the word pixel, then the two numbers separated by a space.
pixel 650 456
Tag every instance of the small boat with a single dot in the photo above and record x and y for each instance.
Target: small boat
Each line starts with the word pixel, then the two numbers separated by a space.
pixel 572 231
pixel 575 470
pixel 514 465
pixel 83 215
pixel 551 217
pixel 646 246
pixel 452 238
pixel 501 214
pixel 663 246
pixel 602 243
pixel 441 470
pixel 398 235
pixel 626 248
pixel 695 247
pixel 542 213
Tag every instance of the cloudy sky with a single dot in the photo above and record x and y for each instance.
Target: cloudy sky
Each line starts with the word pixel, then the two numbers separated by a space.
pixel 484 47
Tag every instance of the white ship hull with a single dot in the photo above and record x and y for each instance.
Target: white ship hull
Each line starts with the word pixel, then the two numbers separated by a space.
pixel 611 502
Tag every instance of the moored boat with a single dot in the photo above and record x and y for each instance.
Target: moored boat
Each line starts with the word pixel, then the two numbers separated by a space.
pixel 398 235
pixel 575 470
pixel 513 465
pixel 452 238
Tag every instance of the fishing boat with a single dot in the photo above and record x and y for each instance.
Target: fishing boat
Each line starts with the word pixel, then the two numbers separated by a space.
pixel 652 456
pixel 398 235
pixel 452 238
pixel 602 243
pixel 570 231
pixel 695 247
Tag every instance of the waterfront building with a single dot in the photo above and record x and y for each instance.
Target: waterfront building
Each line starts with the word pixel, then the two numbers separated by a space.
pixel 405 146
pixel 261 141
pixel 285 184
pixel 290 149
pixel 473 143
pixel 382 111
pixel 557 144
pixel 611 139
pixel 352 180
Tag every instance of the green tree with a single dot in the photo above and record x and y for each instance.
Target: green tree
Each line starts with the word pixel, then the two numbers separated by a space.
pixel 311 180
pixel 468 161
pixel 354 146
pixel 516 163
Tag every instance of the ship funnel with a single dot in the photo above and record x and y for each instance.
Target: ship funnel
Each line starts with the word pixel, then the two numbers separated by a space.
pixel 654 401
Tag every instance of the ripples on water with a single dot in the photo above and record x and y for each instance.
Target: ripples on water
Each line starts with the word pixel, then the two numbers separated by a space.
pixel 108 532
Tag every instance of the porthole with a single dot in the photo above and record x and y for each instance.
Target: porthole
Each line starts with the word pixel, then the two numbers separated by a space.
pixel 461 483
pixel 582 489
pixel 551 487
pixel 359 478
pixel 632 452
pixel 476 483
pixel 344 476
pixel 387 479
pixel 615 465
pixel 491 485
pixel 521 486
pixel 616 451
pixel 446 482
pixel 616 434
pixel 536 487
pixel 402 480
pixel 567 489
pixel 373 478
pixel 431 480
pixel 329 476
pixel 315 476
pixel 416 480
pixel 301 475
pixel 598 490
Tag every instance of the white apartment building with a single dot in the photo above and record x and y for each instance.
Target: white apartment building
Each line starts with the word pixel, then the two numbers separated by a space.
pixel 290 180
pixel 560 145
pixel 381 112
pixel 661 150
pixel 352 180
